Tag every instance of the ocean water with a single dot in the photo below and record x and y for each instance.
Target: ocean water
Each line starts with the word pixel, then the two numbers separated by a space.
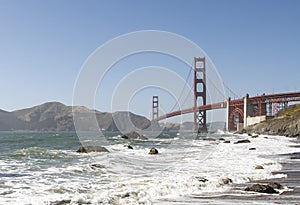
pixel 44 168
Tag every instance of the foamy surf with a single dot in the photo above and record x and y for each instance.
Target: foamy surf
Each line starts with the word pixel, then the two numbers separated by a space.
pixel 184 171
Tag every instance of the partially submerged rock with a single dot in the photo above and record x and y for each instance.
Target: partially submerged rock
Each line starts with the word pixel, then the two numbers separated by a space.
pixel 61 202
pixel 87 149
pixel 259 167
pixel 275 185
pixel 99 166
pixel 153 150
pixel 262 188
pixel 252 148
pixel 134 136
pixel 201 179
pixel 242 141
pixel 209 139
pixel 225 181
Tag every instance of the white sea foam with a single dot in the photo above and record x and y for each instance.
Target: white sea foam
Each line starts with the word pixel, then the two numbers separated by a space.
pixel 132 176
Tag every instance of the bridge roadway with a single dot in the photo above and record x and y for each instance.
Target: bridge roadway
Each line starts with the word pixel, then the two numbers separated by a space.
pixel 262 99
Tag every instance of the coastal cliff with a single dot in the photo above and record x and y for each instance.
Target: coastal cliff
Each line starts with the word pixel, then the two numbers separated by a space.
pixel 285 123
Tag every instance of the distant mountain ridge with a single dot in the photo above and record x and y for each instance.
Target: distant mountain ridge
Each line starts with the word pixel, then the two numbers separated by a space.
pixel 55 116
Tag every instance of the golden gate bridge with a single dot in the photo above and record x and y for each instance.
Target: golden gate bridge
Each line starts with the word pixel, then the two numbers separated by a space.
pixel 240 112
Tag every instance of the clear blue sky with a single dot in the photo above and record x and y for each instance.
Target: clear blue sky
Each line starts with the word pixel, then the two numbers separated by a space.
pixel 255 45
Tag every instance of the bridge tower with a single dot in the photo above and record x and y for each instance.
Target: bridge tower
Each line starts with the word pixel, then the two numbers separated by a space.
pixel 199 95
pixel 155 107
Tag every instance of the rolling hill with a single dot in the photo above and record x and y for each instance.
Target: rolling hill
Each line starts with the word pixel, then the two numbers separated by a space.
pixel 55 116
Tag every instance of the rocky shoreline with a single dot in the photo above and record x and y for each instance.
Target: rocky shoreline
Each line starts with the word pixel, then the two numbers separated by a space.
pixel 291 168
pixel 286 123
pixel 287 189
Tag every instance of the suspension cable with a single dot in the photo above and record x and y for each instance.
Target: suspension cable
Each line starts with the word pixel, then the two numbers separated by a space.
pixel 181 93
pixel 230 90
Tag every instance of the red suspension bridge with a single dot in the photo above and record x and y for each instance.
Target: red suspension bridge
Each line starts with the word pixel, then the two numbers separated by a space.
pixel 240 112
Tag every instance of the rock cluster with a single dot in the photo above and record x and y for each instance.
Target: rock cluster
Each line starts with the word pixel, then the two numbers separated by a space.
pixel 133 136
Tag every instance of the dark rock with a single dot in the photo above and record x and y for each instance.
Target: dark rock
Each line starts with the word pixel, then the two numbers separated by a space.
pixel 243 131
pixel 124 137
pixel 222 139
pixel 225 181
pixel 242 141
pixel 62 202
pixel 262 189
pixel 259 167
pixel 275 185
pixel 252 148
pixel 227 141
pixel 87 149
pixel 99 166
pixel 133 136
pixel 126 195
pixel 129 147
pixel 295 157
pixel 201 179
pixel 255 136
pixel 209 139
pixel 153 150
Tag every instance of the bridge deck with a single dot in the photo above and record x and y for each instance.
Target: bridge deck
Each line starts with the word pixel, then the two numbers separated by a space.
pixel 269 98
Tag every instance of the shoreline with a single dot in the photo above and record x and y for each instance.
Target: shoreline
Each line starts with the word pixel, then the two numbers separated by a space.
pixel 291 196
pixel 291 168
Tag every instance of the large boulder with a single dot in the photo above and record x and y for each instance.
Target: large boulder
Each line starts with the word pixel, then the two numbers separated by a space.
pixel 153 150
pixel 86 149
pixel 133 136
pixel 262 189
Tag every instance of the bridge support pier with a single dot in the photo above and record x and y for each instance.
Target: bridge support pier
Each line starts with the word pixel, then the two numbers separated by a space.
pixel 227 114
pixel 246 102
